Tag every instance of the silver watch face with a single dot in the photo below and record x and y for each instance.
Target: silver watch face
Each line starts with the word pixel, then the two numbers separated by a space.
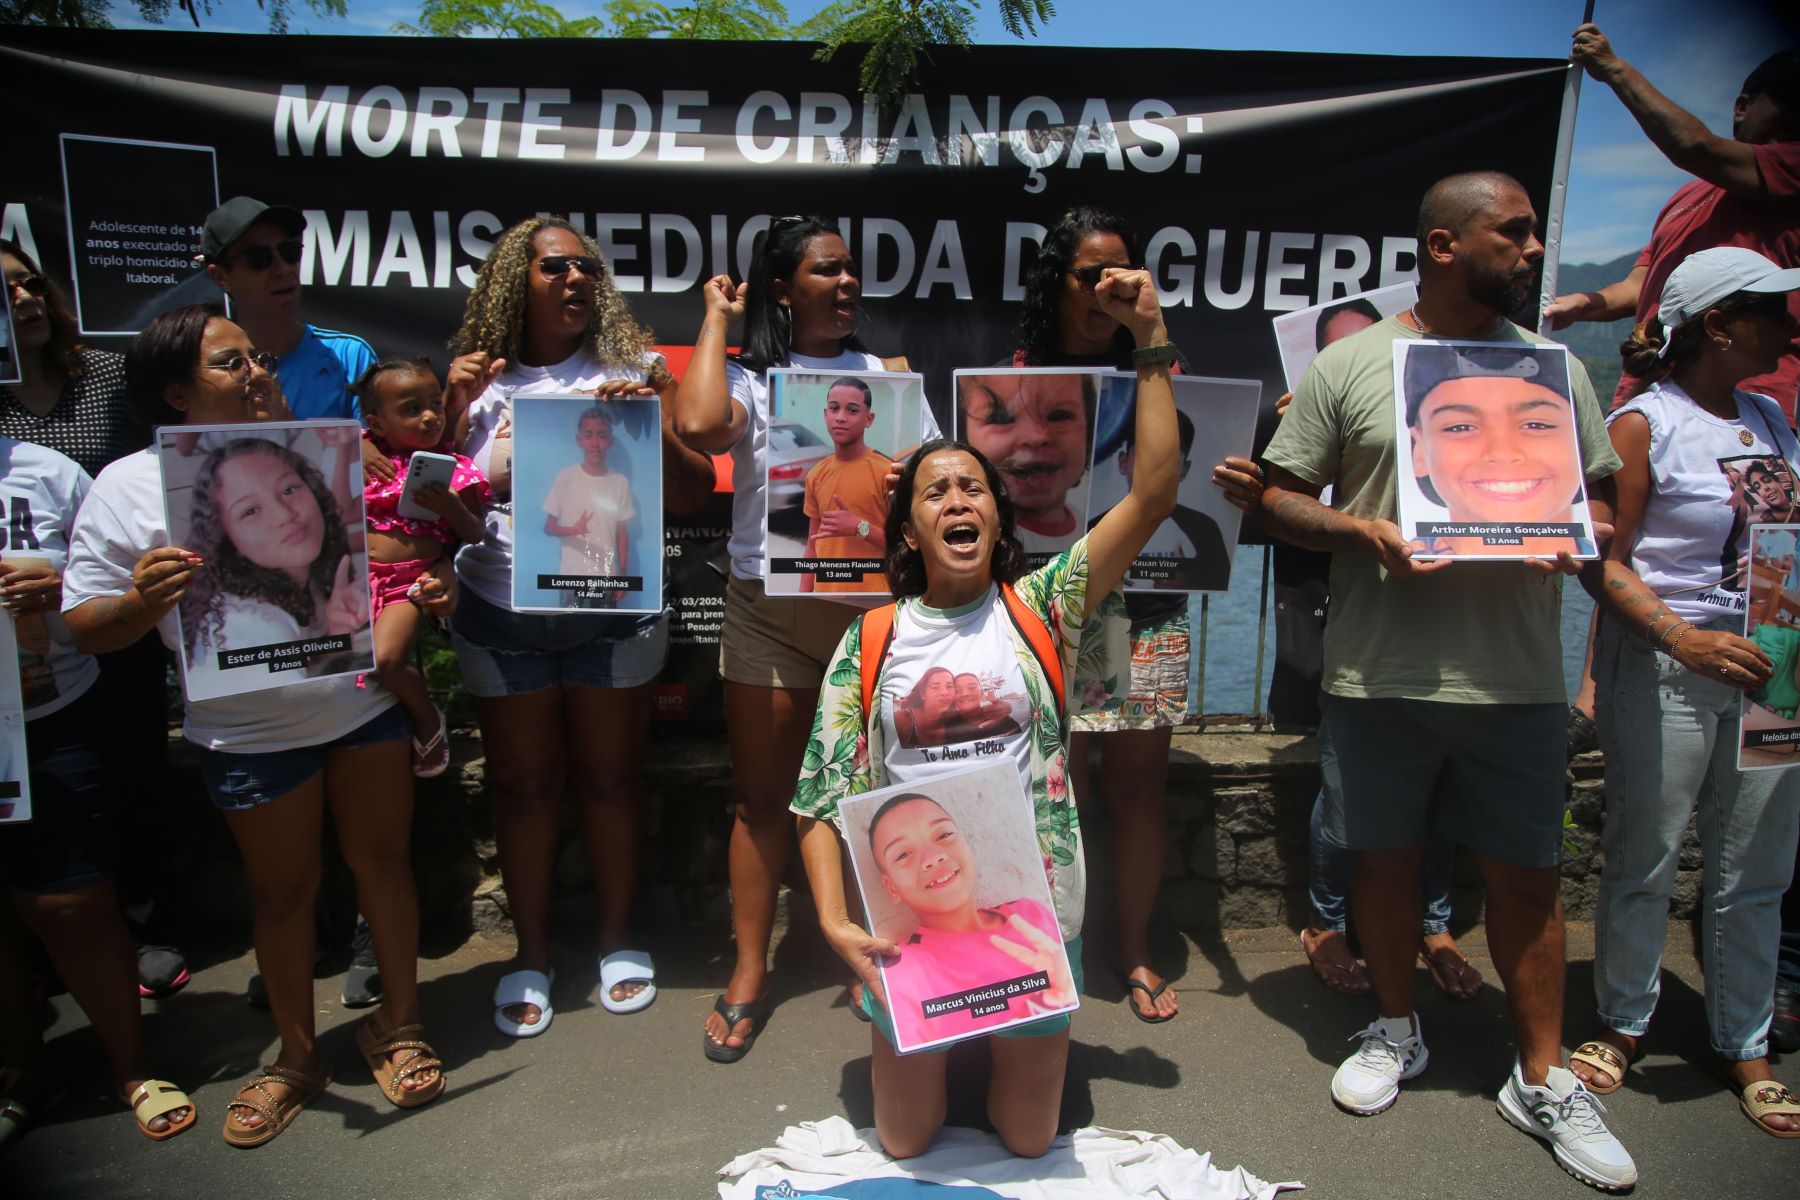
pixel 862 529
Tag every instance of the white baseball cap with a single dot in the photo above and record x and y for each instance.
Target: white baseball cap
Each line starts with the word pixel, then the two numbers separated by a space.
pixel 1708 276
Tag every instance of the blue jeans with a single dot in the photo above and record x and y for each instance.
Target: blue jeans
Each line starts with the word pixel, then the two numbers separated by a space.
pixel 1671 741
pixel 1329 886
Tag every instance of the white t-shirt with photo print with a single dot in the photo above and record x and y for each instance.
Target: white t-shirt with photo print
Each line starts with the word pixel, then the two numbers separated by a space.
pixel 975 639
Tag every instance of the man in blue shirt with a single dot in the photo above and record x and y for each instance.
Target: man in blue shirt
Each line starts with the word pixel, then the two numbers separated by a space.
pixel 252 252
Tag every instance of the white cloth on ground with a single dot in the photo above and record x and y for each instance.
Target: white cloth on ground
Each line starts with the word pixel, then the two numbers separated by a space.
pixel 1088 1164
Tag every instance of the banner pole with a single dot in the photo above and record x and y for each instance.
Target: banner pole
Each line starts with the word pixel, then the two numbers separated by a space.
pixel 1559 184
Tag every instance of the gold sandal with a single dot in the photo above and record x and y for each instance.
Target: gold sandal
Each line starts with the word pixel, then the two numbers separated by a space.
pixel 1601 1056
pixel 392 1076
pixel 1767 1098
pixel 275 1114
pixel 158 1098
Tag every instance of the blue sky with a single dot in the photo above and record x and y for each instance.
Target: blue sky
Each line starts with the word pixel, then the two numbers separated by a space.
pixel 1696 51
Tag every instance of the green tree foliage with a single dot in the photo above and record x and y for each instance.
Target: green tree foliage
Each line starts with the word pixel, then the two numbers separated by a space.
pixel 723 20
pixel 93 14
pixel 498 18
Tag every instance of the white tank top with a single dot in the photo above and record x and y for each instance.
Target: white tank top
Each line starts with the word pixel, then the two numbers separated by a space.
pixel 1710 479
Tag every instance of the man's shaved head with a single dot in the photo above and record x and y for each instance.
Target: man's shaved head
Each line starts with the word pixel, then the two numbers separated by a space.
pixel 1453 202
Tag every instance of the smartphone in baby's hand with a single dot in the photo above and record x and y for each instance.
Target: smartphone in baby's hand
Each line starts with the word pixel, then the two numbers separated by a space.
pixel 424 468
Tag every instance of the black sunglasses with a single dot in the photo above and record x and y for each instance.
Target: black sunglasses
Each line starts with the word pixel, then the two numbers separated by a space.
pixel 261 258
pixel 554 265
pixel 1087 277
pixel 31 285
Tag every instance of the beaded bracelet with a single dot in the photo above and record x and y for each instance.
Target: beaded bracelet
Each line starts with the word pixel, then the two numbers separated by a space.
pixel 1684 630
pixel 1654 638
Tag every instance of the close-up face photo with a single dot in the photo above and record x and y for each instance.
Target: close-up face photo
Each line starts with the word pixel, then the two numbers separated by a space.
pixel 1498 449
pixel 269 513
pixel 923 858
pixel 848 414
pixel 1034 428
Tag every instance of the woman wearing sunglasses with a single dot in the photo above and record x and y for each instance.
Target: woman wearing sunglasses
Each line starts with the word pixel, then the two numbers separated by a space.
pixel 799 308
pixel 1067 323
pixel 271 761
pixel 72 399
pixel 564 699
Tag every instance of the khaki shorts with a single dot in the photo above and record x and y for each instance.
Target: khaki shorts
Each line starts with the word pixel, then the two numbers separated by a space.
pixel 778 641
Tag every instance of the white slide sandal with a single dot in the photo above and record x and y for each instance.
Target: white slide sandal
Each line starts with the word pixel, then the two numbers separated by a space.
pixel 524 987
pixel 627 966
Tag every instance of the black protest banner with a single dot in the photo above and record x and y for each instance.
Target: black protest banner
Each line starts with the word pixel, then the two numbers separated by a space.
pixel 1262 183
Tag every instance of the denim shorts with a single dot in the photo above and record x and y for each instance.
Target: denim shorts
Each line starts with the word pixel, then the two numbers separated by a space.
pixel 878 1016
pixel 507 653
pixel 240 781
pixel 1492 777
pixel 73 838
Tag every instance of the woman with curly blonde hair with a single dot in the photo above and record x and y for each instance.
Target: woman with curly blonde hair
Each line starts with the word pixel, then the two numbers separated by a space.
pixel 545 317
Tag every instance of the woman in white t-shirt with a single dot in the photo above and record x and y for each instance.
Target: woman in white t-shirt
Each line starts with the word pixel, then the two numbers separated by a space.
pixel 271 760
pixel 952 543
pixel 563 699
pixel 799 307
pixel 59 866
pixel 1671 665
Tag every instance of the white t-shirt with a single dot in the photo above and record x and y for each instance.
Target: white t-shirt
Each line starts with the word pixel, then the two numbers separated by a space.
pixel 1043 544
pixel 485 567
pixel 42 491
pixel 123 518
pixel 606 500
pixel 953 694
pixel 749 545
pixel 1693 533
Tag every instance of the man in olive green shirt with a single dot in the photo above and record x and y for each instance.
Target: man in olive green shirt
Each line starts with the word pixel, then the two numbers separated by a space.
pixel 1443 673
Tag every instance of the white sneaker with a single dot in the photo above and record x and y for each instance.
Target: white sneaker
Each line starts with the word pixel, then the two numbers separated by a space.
pixel 1369 1081
pixel 1568 1116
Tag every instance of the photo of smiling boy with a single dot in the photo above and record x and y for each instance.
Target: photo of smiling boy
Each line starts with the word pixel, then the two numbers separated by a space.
pixel 832 438
pixel 1769 721
pixel 1494 469
pixel 952 873
pixel 1036 425
pixel 846 496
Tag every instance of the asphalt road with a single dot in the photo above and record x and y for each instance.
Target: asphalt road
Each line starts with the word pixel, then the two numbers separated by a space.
pixel 604 1106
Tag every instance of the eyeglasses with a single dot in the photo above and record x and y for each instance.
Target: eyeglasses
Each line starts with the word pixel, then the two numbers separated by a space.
pixel 31 285
pixel 238 366
pixel 1087 277
pixel 261 258
pixel 555 266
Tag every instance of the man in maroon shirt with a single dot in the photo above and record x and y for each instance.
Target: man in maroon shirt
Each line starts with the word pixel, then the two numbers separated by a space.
pixel 1747 192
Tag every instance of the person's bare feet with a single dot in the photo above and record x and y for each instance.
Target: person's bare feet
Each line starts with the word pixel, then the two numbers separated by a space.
pixel 1454 975
pixel 1599 1079
pixel 1328 950
pixel 525 1014
pixel 1743 1074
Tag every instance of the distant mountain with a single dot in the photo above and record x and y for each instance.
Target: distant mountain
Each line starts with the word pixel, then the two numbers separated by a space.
pixel 1596 343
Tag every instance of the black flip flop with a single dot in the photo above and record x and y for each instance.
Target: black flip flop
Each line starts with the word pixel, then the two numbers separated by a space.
pixel 754 1011
pixel 1145 988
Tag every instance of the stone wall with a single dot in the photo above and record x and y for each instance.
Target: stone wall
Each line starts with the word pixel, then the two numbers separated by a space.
pixel 1239 806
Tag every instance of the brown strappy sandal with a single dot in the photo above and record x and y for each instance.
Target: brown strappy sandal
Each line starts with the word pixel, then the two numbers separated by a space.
pixel 275 1114
pixel 378 1050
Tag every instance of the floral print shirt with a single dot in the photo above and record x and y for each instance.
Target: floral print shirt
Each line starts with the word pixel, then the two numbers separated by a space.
pixel 845 755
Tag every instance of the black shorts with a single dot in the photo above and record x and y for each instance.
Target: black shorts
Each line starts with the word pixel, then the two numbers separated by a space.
pixel 72 840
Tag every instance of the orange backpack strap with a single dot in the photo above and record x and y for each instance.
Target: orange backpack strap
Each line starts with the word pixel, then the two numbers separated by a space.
pixel 877 636
pixel 1031 627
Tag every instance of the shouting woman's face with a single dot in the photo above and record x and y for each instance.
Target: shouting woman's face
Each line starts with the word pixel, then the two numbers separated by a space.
pixel 269 513
pixel 924 861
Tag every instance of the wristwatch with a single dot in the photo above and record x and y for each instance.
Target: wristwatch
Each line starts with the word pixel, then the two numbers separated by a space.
pixel 862 529
pixel 1149 356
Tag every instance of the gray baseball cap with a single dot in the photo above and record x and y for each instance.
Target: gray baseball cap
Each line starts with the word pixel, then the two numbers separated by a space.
pixel 227 223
